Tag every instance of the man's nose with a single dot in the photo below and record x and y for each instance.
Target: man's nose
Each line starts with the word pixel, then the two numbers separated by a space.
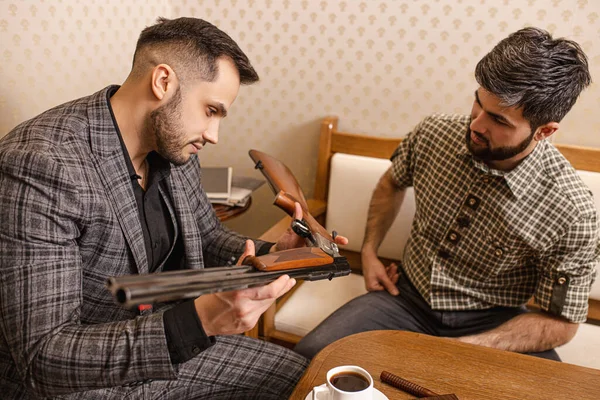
pixel 478 123
pixel 211 134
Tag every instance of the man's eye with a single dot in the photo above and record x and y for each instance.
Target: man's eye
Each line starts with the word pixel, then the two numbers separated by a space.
pixel 212 112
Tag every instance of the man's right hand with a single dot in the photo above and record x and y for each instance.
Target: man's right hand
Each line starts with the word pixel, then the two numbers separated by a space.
pixel 236 311
pixel 230 313
pixel 377 276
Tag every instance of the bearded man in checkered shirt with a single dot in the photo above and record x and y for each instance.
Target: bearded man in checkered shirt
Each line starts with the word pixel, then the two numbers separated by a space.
pixel 501 215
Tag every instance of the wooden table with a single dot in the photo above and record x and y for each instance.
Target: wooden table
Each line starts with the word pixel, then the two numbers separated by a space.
pixel 225 212
pixel 448 366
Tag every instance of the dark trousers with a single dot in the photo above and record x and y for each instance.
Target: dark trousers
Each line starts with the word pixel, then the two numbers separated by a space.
pixel 406 312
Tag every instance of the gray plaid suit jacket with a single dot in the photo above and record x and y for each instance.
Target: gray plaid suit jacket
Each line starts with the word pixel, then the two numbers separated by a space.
pixel 68 221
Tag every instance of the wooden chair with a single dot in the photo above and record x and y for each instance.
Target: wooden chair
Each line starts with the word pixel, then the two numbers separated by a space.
pixel 331 141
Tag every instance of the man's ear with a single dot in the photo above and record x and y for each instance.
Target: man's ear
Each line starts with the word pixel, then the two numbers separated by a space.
pixel 164 82
pixel 545 131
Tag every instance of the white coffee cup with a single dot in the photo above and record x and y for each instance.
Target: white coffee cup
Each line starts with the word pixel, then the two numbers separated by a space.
pixel 338 374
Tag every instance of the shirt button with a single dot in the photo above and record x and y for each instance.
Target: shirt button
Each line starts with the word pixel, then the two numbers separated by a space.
pixel 472 202
pixel 562 280
pixel 499 252
pixel 453 237
pixel 155 245
pixel 195 350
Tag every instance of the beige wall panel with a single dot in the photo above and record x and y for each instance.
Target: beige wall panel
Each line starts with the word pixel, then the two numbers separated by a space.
pixel 380 66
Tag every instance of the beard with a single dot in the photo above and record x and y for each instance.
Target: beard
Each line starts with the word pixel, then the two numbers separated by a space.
pixel 488 153
pixel 164 123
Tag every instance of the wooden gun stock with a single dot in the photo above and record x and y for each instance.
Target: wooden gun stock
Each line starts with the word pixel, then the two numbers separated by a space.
pixel 279 176
pixel 290 259
pixel 286 188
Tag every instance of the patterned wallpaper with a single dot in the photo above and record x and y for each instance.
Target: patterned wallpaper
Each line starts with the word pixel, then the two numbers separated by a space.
pixel 380 65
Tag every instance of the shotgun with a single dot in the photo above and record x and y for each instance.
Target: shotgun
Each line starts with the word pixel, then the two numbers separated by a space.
pixel 319 260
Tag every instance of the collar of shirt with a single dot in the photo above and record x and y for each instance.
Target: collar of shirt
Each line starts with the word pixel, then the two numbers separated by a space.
pixel 160 168
pixel 518 179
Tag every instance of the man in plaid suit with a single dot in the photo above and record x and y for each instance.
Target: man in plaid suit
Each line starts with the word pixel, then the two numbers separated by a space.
pixel 501 216
pixel 109 185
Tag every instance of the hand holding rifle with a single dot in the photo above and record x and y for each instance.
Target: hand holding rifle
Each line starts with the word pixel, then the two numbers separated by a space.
pixel 236 311
pixel 291 240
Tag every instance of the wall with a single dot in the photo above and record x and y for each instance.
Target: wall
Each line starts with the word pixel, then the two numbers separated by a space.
pixel 56 51
pixel 379 65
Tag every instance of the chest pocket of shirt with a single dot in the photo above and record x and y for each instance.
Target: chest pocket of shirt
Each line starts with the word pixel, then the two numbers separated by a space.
pixel 506 256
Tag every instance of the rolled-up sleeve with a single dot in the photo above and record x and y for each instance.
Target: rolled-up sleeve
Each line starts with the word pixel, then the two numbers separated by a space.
pixel 568 271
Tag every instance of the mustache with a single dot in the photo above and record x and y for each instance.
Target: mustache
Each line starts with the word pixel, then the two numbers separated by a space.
pixel 480 136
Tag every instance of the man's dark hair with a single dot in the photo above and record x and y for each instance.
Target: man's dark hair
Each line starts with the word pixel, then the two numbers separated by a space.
pixel 191 47
pixel 531 70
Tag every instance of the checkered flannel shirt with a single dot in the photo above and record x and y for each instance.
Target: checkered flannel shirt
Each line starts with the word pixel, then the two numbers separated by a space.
pixel 483 238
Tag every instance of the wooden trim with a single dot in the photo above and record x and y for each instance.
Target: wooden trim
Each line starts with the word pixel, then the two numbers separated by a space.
pixel 316 207
pixel 593 310
pixel 254 332
pixel 366 146
pixel 582 158
pixel 267 322
pixel 328 126
pixel 285 336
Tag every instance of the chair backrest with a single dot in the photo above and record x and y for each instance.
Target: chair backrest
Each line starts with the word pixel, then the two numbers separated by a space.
pixel 351 183
pixel 592 180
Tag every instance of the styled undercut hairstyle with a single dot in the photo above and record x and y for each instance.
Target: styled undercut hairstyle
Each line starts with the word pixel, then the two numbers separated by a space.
pixel 531 70
pixel 191 47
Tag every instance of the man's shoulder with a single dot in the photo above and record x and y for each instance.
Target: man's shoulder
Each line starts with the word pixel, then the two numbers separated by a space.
pixel 567 181
pixel 444 121
pixel 54 127
pixel 441 131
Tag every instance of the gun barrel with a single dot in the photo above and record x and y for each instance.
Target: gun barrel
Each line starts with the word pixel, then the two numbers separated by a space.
pixel 132 290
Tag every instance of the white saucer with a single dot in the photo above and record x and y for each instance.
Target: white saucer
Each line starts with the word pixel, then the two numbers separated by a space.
pixel 377 395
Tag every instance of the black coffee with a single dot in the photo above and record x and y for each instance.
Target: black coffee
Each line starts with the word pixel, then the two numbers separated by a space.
pixel 349 381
